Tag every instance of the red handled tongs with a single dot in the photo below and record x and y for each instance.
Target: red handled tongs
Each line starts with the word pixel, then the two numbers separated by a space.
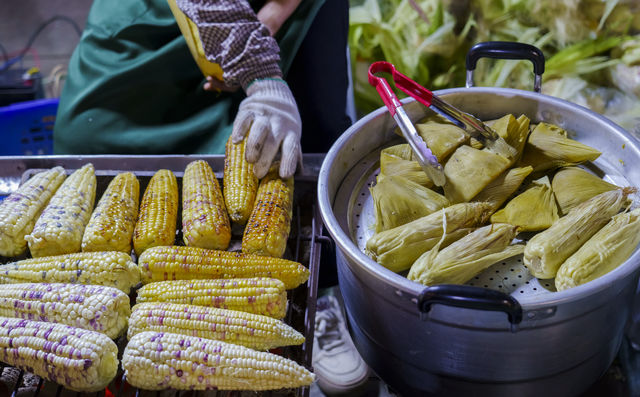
pixel 473 126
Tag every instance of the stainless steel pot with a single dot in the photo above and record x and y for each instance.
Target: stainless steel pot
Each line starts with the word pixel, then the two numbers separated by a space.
pixel 455 340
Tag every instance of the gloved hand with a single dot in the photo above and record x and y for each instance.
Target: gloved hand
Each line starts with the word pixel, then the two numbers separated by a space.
pixel 271 112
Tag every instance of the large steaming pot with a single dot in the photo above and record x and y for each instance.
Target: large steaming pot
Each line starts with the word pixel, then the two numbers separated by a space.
pixel 454 341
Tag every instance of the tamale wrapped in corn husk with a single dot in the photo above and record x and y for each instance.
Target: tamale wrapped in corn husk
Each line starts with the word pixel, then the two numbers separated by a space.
pixel 514 131
pixel 397 248
pixel 398 200
pixel 549 147
pixel 465 258
pixel 606 250
pixel 547 250
pixel 573 185
pixel 398 160
pixel 533 210
pixel 501 188
pixel 470 170
pixel 441 136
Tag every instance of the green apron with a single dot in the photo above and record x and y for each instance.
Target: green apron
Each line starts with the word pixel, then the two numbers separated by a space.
pixel 133 87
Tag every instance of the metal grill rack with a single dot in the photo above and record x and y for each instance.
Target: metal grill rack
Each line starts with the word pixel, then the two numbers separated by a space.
pixel 303 246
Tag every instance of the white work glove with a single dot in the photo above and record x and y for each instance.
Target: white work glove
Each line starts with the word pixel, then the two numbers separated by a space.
pixel 271 112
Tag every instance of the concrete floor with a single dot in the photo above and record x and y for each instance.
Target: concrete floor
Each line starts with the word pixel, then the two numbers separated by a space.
pixel 52 48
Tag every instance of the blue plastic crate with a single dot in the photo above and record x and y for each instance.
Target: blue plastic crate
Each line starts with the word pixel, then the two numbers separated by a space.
pixel 26 128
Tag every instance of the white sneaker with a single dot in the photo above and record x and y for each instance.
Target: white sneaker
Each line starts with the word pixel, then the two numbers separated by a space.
pixel 336 362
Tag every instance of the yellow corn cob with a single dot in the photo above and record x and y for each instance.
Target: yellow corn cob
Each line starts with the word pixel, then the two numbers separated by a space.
pixel 268 227
pixel 19 211
pixel 92 307
pixel 240 183
pixel 606 250
pixel 188 263
pixel 111 269
pixel 232 326
pixel 60 227
pixel 547 250
pixel 76 358
pixel 205 223
pixel 259 295
pixel 158 213
pixel 111 225
pixel 156 361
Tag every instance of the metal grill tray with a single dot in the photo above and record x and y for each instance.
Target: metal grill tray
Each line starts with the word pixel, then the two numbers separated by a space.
pixel 303 246
pixel 509 276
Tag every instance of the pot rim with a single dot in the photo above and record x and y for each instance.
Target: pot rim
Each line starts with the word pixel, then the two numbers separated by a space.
pixel 348 248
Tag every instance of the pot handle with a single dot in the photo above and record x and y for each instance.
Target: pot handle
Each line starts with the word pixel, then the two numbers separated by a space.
pixel 506 50
pixel 470 298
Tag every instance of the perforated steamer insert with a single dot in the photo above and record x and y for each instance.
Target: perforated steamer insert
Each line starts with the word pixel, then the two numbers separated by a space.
pixel 510 276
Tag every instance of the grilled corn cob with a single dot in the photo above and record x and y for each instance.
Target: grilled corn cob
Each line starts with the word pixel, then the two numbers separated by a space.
pixel 92 307
pixel 60 227
pixel 19 211
pixel 76 358
pixel 534 209
pixel 232 326
pixel 266 296
pixel 111 225
pixel 111 269
pixel 573 185
pixel 465 258
pixel 205 222
pixel 603 252
pixel 547 250
pixel 158 213
pixel 157 360
pixel 240 183
pixel 188 263
pixel 397 248
pixel 268 227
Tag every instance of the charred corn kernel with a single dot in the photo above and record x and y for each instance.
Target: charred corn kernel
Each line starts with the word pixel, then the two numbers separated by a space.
pixel 397 248
pixel 534 209
pixel 188 263
pixel 205 222
pixel 111 269
pixel 92 307
pixel 573 185
pixel 397 201
pixel 19 211
pixel 266 296
pixel 547 250
pixel 501 188
pixel 158 213
pixel 549 147
pixel 240 183
pixel 232 326
pixel 76 358
pixel 111 225
pixel 465 258
pixel 160 360
pixel 469 170
pixel 60 227
pixel 268 227
pixel 603 252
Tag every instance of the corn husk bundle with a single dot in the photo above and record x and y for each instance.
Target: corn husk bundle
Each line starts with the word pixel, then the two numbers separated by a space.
pixel 549 147
pixel 470 170
pixel 533 210
pixel 573 185
pixel 398 200
pixel 547 250
pixel 603 252
pixel 398 161
pixel 441 136
pixel 513 131
pixel 397 248
pixel 501 188
pixel 465 258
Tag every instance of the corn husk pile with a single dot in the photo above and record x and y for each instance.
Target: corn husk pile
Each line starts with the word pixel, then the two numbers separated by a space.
pixel 579 227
